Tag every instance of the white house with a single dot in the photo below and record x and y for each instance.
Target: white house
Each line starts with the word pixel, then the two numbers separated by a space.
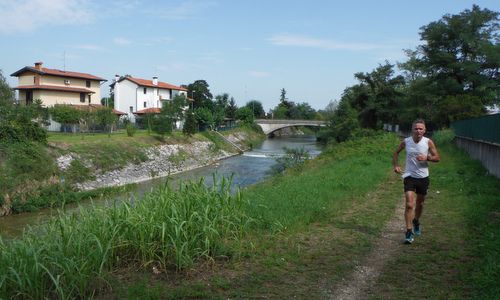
pixel 136 96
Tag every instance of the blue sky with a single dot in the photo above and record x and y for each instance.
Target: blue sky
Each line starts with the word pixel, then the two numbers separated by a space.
pixel 249 49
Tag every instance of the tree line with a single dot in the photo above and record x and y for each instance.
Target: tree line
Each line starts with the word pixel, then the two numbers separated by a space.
pixel 452 75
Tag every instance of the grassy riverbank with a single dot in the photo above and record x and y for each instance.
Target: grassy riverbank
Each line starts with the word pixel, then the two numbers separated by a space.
pixel 297 235
pixel 30 178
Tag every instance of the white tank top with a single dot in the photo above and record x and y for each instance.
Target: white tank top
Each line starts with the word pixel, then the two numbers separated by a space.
pixel 415 168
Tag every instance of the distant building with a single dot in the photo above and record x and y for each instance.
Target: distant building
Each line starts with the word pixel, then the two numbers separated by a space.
pixel 54 86
pixel 137 96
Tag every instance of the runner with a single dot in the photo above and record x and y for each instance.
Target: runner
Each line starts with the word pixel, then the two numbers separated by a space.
pixel 419 151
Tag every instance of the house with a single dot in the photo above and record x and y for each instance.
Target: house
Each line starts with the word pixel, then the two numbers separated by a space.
pixel 54 86
pixel 138 96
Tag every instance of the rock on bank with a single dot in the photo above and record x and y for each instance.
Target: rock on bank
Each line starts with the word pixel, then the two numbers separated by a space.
pixel 162 161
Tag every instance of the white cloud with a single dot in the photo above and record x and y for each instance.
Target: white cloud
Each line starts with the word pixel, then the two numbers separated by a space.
pixel 259 74
pixel 28 15
pixel 304 41
pixel 122 41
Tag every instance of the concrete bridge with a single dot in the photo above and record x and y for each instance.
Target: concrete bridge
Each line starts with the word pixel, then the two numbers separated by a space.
pixel 270 125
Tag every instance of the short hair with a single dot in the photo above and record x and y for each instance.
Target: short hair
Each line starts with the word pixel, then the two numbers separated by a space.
pixel 418 121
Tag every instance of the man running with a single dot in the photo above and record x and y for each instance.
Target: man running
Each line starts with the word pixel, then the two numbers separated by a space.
pixel 419 150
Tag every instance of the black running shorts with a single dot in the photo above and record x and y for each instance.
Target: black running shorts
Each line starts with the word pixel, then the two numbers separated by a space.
pixel 418 185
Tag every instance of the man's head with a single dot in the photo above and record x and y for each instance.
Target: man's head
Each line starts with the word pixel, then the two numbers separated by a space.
pixel 418 129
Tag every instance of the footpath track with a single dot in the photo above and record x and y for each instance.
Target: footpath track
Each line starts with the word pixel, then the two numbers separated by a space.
pixel 356 284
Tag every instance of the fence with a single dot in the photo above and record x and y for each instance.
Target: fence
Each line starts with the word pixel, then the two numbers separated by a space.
pixel 486 128
pixel 480 137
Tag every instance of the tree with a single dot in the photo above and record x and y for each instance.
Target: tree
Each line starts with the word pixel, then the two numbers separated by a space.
pixel 279 112
pixel 162 124
pixel 204 118
pixel 302 111
pixel 106 118
pixel 377 97
pixel 342 125
pixel 245 114
pixel 231 109
pixel 108 101
pixel 460 56
pixel 200 92
pixel 66 114
pixel 6 93
pixel 222 101
pixel 283 95
pixel 220 108
pixel 329 110
pixel 190 125
pixel 256 108
pixel 175 108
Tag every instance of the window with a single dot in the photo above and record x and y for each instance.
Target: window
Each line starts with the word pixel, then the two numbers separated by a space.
pixel 82 97
pixel 145 90
pixel 29 97
pixel 34 79
pixel 88 97
pixel 87 83
pixel 131 108
pixel 144 103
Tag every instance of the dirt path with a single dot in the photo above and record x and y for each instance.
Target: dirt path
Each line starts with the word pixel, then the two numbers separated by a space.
pixel 355 285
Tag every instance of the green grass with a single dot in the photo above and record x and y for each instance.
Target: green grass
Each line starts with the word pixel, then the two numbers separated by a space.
pixel 457 255
pixel 297 235
pixel 310 225
pixel 74 254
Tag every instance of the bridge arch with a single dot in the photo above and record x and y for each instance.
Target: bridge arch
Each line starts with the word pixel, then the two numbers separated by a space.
pixel 269 126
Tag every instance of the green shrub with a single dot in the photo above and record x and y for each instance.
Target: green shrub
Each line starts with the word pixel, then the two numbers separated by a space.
pixel 29 161
pixel 443 136
pixel 78 172
pixel 130 129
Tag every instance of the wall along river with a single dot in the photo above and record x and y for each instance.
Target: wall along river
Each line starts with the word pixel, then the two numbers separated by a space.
pixel 246 169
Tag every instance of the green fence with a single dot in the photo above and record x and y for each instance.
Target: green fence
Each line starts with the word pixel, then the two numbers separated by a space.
pixel 486 128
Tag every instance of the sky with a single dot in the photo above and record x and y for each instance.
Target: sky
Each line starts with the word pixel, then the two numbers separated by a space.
pixel 249 49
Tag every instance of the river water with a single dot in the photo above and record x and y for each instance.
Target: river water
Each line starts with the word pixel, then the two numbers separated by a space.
pixel 246 169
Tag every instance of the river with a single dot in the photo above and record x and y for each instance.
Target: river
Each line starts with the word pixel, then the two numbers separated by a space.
pixel 246 169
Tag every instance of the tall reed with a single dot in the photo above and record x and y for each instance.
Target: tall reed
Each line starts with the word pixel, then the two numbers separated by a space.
pixel 73 254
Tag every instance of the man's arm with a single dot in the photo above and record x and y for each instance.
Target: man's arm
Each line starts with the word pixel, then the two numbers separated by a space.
pixel 433 153
pixel 395 156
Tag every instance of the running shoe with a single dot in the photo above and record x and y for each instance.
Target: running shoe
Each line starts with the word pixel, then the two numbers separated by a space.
pixel 416 227
pixel 409 237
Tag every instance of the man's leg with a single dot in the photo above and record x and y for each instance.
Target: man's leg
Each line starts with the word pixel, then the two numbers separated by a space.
pixel 409 209
pixel 409 215
pixel 420 206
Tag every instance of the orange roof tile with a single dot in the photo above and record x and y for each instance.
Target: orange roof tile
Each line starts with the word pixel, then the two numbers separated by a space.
pixel 94 107
pixel 149 83
pixel 55 72
pixel 151 110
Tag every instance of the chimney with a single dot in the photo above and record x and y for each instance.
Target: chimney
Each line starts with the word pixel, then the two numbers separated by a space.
pixel 155 80
pixel 117 77
pixel 38 65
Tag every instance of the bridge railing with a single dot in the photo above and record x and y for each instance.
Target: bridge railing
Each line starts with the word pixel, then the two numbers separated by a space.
pixel 288 121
